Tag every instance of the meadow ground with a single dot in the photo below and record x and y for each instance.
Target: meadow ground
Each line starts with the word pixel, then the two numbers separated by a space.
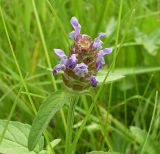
pixel 120 115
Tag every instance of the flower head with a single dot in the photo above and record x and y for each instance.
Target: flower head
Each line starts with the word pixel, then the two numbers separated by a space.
pixel 85 59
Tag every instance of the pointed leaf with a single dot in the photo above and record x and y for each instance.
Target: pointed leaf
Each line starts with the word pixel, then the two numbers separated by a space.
pixel 54 143
pixel 46 111
pixel 120 73
pixel 16 137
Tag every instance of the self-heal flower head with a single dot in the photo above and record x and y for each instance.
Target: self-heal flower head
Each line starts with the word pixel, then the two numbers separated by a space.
pixel 85 59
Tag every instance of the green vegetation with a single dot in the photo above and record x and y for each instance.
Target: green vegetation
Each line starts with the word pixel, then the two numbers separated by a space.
pixel 120 116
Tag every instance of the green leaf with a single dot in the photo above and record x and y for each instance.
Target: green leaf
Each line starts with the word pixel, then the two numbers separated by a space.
pixel 150 42
pixel 54 143
pixel 46 111
pixel 151 146
pixel 111 77
pixel 101 152
pixel 120 73
pixel 136 70
pixel 16 138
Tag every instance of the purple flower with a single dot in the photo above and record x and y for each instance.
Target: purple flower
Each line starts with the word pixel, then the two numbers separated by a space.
pixel 63 60
pixel 60 53
pixel 97 41
pixel 71 63
pixel 100 59
pixel 81 69
pixel 93 81
pixel 84 61
pixel 76 26
pixel 58 68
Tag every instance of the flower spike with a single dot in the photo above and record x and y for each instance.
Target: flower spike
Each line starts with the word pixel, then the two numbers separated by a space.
pixel 84 61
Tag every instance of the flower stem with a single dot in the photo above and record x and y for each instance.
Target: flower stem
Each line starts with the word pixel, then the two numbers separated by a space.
pixel 70 120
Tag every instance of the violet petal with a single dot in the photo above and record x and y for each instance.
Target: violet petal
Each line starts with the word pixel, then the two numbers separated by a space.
pixel 64 60
pixel 98 66
pixel 100 59
pixel 76 26
pixel 74 22
pixel 72 34
pixel 93 81
pixel 106 51
pixel 58 68
pixel 97 41
pixel 71 63
pixel 59 52
pixel 81 69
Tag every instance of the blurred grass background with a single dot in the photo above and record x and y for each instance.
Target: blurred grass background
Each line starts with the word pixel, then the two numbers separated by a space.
pixel 131 101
